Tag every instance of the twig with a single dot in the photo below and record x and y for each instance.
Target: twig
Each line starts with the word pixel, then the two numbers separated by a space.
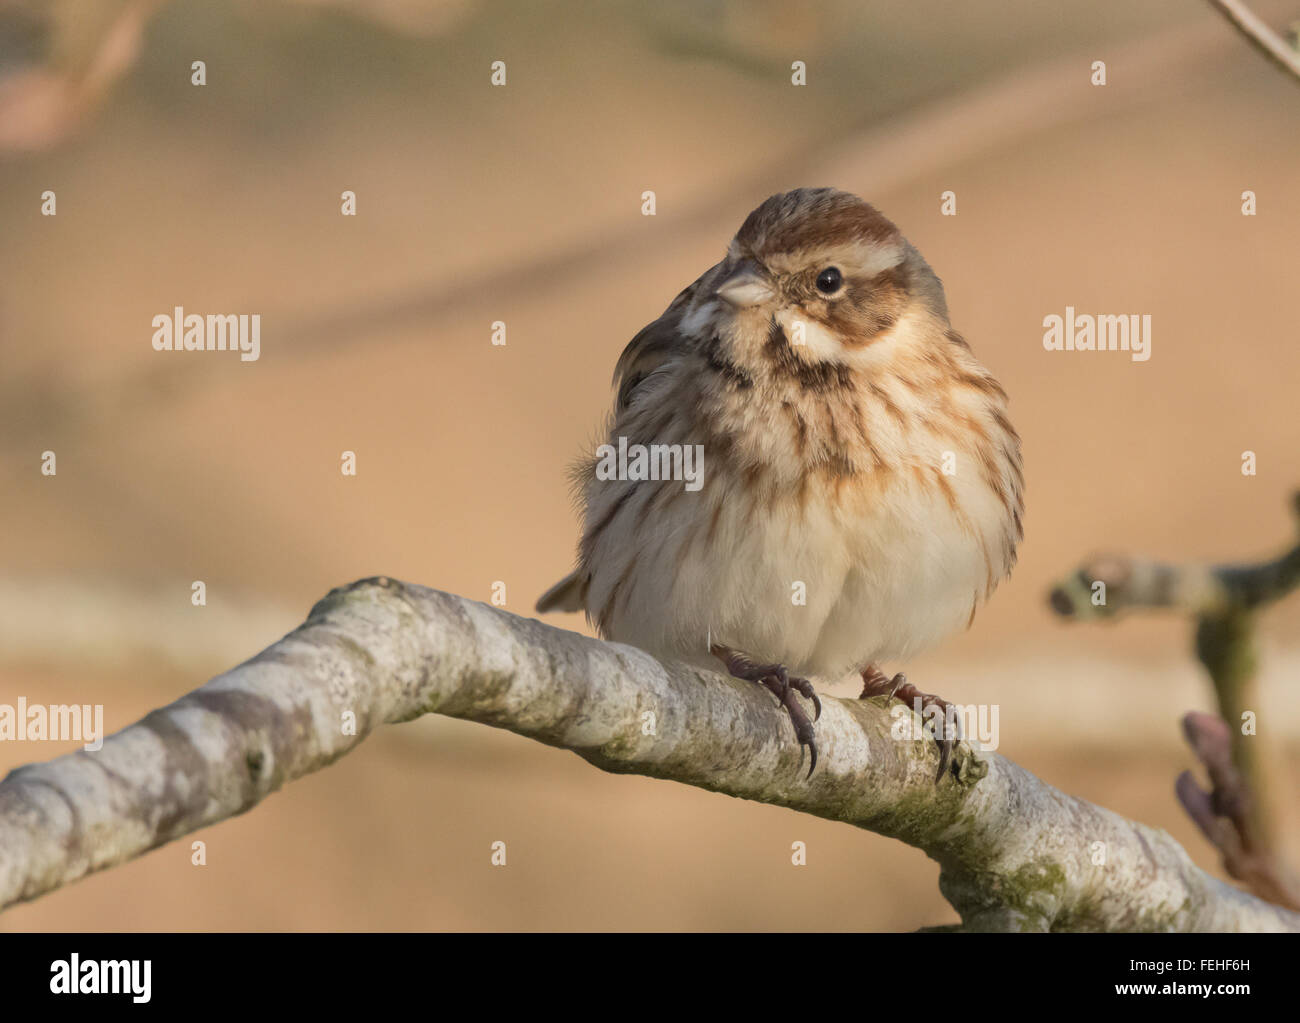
pixel 1260 36
pixel 1015 853
pixel 1223 600
pixel 1224 814
pixel 1133 583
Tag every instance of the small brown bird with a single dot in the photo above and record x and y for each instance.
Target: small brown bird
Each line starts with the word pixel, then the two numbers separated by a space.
pixel 807 471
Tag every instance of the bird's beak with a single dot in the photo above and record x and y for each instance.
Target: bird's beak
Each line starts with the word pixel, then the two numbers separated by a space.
pixel 747 286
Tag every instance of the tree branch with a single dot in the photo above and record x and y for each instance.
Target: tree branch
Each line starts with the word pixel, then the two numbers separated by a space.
pixel 1015 853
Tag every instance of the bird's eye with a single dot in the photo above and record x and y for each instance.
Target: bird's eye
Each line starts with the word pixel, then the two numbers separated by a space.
pixel 829 280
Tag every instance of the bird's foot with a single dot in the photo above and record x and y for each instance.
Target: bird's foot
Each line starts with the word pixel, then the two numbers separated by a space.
pixel 939 718
pixel 783 686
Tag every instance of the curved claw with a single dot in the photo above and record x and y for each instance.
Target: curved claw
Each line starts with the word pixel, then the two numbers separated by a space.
pixel 945 755
pixel 805 687
pixel 803 729
pixel 785 688
pixel 949 743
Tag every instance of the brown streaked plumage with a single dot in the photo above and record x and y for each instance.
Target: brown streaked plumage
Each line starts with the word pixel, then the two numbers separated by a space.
pixel 861 491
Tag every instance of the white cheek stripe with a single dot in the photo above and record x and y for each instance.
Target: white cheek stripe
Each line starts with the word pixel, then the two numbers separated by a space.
pixel 817 340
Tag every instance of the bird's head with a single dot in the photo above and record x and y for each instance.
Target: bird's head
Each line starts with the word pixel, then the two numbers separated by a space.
pixel 816 275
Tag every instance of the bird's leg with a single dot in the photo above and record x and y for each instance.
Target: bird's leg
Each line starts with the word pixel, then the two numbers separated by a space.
pixel 876 684
pixel 783 686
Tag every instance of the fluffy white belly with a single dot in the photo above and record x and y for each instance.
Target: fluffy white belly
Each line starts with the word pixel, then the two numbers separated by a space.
pixel 824 592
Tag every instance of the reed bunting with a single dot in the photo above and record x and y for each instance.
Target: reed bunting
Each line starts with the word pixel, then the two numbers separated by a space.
pixel 860 492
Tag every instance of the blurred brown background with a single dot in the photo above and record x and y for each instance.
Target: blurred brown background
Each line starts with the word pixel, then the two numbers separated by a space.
pixel 522 204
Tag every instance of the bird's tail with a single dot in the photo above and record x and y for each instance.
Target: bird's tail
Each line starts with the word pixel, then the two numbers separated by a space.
pixel 569 594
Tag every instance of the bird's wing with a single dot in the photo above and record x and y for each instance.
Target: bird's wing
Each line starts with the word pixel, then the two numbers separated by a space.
pixel 653 345
pixel 650 350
